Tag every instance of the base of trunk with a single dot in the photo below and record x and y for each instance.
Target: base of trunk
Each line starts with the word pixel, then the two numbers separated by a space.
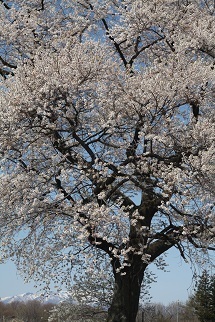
pixel 126 296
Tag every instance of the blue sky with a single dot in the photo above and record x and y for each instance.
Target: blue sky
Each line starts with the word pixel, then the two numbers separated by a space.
pixel 176 284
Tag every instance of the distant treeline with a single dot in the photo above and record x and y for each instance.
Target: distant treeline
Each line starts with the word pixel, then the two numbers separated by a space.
pixel 31 311
pixel 35 311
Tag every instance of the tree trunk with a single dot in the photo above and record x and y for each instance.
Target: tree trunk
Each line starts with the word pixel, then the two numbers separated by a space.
pixel 125 302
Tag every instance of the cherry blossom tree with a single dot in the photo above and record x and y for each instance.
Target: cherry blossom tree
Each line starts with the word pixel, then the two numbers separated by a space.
pixel 107 137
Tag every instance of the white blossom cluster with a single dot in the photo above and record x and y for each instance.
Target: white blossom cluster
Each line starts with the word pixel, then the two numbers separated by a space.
pixel 106 132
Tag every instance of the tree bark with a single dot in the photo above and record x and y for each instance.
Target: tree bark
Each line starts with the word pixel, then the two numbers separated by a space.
pixel 125 302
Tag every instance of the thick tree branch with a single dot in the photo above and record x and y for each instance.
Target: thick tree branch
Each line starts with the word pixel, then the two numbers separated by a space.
pixel 85 146
pixel 130 152
pixel 42 5
pixel 167 238
pixel 116 45
pixel 4 4
pixel 102 244
pixel 192 241
pixel 5 63
pixel 4 73
pixel 138 52
pixel 62 190
pixel 183 214
pixel 207 51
